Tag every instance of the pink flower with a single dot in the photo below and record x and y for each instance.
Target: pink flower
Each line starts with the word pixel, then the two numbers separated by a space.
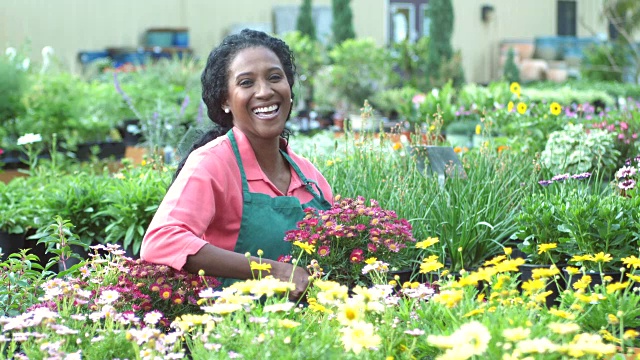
pixel 418 99
pixel 323 251
pixel 1 151
pixel 356 256
pixel 627 184
pixel 624 125
pixel 372 247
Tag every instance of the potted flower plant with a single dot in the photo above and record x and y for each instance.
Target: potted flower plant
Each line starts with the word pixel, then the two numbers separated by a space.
pixel 344 239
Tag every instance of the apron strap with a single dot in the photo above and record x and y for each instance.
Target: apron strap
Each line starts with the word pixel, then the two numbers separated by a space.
pixel 318 195
pixel 234 146
pixel 307 183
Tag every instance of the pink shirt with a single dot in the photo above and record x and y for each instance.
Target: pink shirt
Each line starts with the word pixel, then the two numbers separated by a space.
pixel 204 204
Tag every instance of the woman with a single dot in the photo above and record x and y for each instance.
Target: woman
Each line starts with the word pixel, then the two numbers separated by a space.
pixel 241 187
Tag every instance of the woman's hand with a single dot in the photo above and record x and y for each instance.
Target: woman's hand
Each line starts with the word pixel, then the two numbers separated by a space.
pixel 282 271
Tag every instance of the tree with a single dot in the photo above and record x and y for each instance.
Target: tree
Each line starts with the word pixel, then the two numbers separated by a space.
pixel 624 16
pixel 342 26
pixel 305 20
pixel 442 65
pixel 511 71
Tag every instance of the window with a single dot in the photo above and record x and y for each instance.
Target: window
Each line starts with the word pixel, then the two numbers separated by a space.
pixel 567 17
pixel 408 20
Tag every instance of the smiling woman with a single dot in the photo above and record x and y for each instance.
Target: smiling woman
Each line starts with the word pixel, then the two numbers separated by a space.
pixel 241 187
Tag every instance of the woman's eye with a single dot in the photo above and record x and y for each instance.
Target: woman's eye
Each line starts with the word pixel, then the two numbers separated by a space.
pixel 275 77
pixel 245 83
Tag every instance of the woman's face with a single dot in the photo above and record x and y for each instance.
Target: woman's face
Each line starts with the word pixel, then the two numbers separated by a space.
pixel 259 95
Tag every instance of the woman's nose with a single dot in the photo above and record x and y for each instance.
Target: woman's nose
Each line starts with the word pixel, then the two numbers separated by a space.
pixel 264 89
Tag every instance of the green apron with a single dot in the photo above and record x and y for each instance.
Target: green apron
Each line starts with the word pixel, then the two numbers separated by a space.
pixel 265 219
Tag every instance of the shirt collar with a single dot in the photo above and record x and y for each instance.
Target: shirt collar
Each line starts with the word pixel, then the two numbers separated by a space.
pixel 252 169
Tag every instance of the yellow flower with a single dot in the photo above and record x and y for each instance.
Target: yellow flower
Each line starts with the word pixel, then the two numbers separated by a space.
pixel 329 163
pixel 508 251
pixel 564 328
pixel 515 88
pixel 370 260
pixel 308 248
pixel 601 257
pixel 543 248
pixel 631 261
pixel 510 106
pixel 516 334
pixel 530 286
pixel 288 324
pixel 427 243
pixel 397 146
pixel 474 312
pixel 448 297
pixel 260 267
pixel 427 267
pixel 611 288
pixel 359 335
pixel 221 308
pixel 580 258
pixel 633 277
pixel 561 313
pixel 522 108
pixel 478 129
pixel 545 272
pixel 582 283
pixel 612 319
pixel 571 270
pixel 630 334
pixel 555 108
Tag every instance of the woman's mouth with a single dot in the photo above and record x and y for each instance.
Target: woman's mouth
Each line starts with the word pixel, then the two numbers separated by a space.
pixel 266 112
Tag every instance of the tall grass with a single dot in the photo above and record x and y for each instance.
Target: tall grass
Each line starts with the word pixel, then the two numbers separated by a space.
pixel 475 214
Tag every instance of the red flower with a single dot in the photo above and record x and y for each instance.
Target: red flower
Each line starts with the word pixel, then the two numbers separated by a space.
pixel 1 151
pixel 177 299
pixel 155 287
pixel 356 256
pixel 323 251
pixel 372 247
pixel 166 293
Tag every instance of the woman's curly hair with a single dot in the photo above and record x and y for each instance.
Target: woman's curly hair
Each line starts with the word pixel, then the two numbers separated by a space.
pixel 215 78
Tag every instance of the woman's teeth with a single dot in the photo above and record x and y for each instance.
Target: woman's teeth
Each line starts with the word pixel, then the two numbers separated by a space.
pixel 265 109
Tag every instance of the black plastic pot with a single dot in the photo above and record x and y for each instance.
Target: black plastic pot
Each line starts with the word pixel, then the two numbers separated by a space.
pixel 10 243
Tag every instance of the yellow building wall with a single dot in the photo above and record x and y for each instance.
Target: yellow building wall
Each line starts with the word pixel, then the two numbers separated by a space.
pixel 512 20
pixel 70 26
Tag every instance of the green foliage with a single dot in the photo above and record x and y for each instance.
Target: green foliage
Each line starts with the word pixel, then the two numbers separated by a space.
pixel 130 200
pixel 421 108
pixel 342 26
pixel 575 150
pixel 360 69
pixel 304 23
pixel 410 58
pixel 605 62
pixel 21 205
pixel 61 241
pixel 582 219
pixel 77 198
pixel 309 56
pixel 13 82
pixel 20 279
pixel 475 216
pixel 511 71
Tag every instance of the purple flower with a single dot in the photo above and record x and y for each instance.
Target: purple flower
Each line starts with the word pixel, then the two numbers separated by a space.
pixel 184 105
pixel 560 178
pixel 545 182
pixel 627 184
pixel 625 172
pixel 200 112
pixel 582 176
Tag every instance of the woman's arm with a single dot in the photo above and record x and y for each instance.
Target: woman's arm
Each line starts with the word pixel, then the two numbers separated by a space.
pixel 224 263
